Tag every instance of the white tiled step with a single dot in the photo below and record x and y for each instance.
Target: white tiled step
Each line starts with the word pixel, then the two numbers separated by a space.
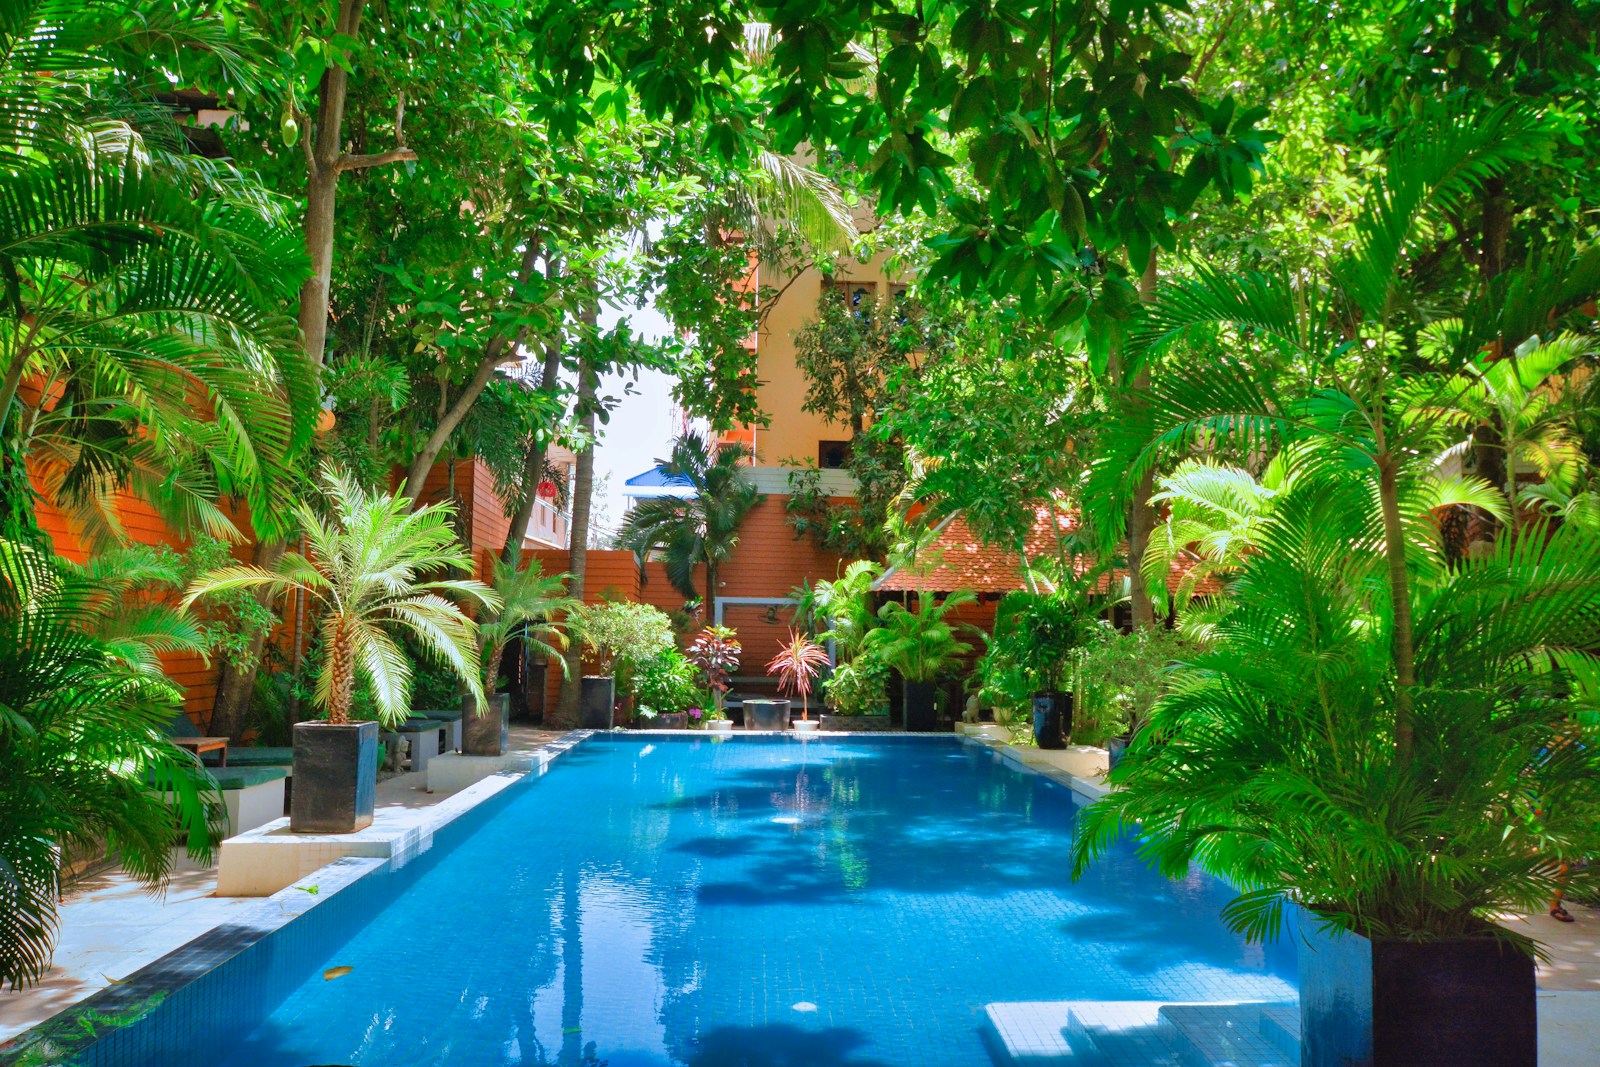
pixel 1222 1035
pixel 1145 1034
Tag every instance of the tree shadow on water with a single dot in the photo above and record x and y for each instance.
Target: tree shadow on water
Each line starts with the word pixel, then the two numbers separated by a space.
pixel 779 1045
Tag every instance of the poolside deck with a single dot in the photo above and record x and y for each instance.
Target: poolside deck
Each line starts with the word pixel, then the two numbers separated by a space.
pixel 111 928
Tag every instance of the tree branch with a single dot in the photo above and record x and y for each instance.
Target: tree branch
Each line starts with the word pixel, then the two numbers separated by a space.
pixel 378 159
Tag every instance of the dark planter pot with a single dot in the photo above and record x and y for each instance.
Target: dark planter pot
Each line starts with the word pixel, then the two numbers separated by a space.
pixel 1115 747
pixel 335 777
pixel 922 706
pixel 597 702
pixel 1052 718
pixel 1466 1002
pixel 766 714
pixel 672 720
pixel 488 734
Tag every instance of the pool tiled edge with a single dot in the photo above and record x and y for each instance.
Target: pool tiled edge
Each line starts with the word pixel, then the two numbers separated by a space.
pixel 179 1010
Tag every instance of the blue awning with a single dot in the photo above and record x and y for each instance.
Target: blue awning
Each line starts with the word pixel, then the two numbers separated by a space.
pixel 657 482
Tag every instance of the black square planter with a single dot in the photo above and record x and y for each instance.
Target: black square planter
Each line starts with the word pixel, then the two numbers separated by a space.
pixel 335 777
pixel 488 734
pixel 1463 1002
pixel 1052 718
pixel 597 701
pixel 922 706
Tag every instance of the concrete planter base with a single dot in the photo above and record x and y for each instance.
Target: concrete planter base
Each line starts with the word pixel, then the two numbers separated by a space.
pixel 720 726
pixel 805 726
pixel 335 777
pixel 855 723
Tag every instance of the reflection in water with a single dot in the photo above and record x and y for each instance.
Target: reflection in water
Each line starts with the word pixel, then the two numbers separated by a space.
pixel 755 904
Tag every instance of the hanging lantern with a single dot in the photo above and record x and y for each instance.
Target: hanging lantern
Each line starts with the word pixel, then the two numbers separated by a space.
pixel 547 490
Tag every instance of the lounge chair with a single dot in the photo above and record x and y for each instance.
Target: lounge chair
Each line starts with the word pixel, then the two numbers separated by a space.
pixel 451 717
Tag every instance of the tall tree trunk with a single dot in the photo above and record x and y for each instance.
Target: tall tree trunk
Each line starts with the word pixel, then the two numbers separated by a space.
pixel 500 349
pixel 1490 459
pixel 1141 516
pixel 711 592
pixel 578 532
pixel 324 164
pixel 1400 598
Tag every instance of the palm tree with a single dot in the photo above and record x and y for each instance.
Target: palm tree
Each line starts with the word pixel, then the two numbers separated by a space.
pixel 1370 417
pixel 1521 398
pixel 700 530
pixel 85 760
pixel 1213 514
pixel 365 568
pixel 1272 762
pixel 145 342
pixel 530 600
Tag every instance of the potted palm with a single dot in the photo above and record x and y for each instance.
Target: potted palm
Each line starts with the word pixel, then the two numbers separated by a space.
pixel 366 557
pixel 619 635
pixel 797 665
pixel 921 644
pixel 529 601
pixel 1037 633
pixel 716 651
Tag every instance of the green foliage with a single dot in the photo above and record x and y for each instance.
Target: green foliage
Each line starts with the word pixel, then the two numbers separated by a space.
pixel 1037 633
pixel 1275 759
pixel 621 633
pixel 696 531
pixel 860 687
pixel 530 602
pixel 1118 677
pixel 921 644
pixel 364 571
pixel 715 652
pixel 667 682
pixel 85 759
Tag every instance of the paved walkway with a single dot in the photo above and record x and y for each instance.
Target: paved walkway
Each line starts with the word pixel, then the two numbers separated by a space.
pixel 111 927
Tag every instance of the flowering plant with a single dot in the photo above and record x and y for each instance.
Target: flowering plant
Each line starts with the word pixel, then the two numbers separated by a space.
pixel 695 715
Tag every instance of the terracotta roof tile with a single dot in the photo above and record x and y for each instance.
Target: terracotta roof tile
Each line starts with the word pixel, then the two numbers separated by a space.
pixel 966 562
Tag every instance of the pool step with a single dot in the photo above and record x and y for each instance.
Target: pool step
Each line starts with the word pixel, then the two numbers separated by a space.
pixel 1144 1034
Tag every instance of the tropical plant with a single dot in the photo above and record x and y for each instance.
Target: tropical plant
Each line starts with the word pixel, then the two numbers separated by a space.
pixel 699 530
pixel 530 602
pixel 1515 406
pixel 1213 511
pixel 715 651
pixel 1277 762
pixel 621 633
pixel 841 609
pixel 797 665
pixel 1118 677
pixel 146 343
pixel 1038 632
pixel 367 558
pixel 668 682
pixel 85 759
pixel 860 687
pixel 921 644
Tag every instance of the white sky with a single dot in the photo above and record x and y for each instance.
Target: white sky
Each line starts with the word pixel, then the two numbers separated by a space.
pixel 641 425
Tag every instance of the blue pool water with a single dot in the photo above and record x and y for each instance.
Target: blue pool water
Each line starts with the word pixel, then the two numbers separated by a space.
pixel 755 902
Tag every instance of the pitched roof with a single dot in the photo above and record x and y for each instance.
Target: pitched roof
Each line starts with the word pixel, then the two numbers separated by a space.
pixel 964 561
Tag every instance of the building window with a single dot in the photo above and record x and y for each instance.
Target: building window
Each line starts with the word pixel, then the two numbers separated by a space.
pixel 833 455
pixel 859 297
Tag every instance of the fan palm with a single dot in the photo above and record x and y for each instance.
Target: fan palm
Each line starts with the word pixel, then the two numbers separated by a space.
pixel 85 760
pixel 530 601
pixel 1274 764
pixel 365 568
pixel 700 530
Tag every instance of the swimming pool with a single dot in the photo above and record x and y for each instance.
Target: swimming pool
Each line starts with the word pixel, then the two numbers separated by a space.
pixel 679 900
